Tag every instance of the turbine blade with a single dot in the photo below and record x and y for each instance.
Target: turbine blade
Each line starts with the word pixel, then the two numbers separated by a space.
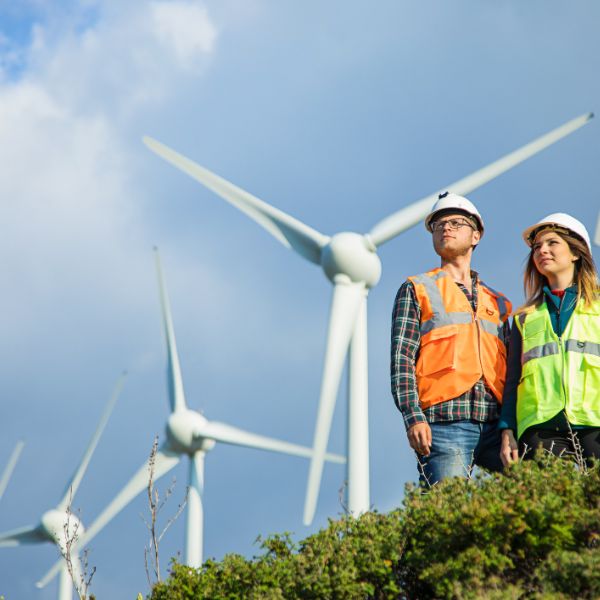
pixel 347 300
pixel 165 460
pixel 289 231
pixel 405 218
pixel 50 574
pixel 10 467
pixel 597 236
pixel 23 535
pixel 73 485
pixel 220 432
pixel 174 379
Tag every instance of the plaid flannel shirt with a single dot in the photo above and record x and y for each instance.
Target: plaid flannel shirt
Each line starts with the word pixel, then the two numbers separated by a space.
pixel 477 404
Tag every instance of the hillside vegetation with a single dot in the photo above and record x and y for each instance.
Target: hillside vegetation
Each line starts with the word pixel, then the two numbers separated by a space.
pixel 532 533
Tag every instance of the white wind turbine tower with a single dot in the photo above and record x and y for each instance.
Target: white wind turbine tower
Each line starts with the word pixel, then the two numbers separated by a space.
pixel 59 525
pixel 10 467
pixel 188 433
pixel 350 262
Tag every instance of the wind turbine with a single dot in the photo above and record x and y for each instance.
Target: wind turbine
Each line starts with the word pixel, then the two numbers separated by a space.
pixel 350 262
pixel 597 236
pixel 188 433
pixel 59 525
pixel 10 467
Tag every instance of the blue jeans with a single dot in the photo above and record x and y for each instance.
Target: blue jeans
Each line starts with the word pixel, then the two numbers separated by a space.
pixel 457 447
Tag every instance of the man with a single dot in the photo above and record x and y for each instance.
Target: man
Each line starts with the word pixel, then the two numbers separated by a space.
pixel 448 363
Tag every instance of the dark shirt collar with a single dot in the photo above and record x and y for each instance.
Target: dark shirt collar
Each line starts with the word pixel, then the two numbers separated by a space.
pixel 555 301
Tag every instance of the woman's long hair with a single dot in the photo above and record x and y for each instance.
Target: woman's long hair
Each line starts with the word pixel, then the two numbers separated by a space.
pixel 586 275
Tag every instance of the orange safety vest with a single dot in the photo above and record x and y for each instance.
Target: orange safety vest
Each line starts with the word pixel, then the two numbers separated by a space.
pixel 458 346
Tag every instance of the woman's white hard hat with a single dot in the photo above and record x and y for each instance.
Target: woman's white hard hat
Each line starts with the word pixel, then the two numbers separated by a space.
pixel 561 220
pixel 448 201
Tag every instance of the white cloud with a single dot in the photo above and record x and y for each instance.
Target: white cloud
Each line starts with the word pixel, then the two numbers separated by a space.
pixel 185 28
pixel 65 201
pixel 126 58
pixel 71 194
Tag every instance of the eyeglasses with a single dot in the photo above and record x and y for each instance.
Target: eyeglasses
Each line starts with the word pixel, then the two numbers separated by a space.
pixel 453 224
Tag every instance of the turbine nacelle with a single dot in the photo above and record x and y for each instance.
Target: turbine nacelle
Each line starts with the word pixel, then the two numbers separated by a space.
pixel 352 255
pixel 61 526
pixel 184 432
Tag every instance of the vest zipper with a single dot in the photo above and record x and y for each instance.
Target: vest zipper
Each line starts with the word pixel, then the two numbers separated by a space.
pixel 562 362
pixel 562 354
pixel 560 331
pixel 476 321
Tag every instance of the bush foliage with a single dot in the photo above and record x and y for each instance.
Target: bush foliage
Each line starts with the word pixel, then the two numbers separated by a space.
pixel 532 533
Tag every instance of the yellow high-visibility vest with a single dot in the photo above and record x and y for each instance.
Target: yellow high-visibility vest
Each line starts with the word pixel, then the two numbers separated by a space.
pixel 559 373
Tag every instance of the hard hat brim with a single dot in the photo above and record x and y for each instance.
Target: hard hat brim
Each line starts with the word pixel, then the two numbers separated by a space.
pixel 450 202
pixel 530 233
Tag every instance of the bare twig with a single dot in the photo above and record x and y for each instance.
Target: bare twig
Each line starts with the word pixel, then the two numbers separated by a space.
pixel 342 497
pixel 470 467
pixel 81 579
pixel 577 450
pixel 180 509
pixel 151 553
pixel 421 468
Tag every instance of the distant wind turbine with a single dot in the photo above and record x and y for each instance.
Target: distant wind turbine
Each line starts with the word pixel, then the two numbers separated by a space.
pixel 188 433
pixel 59 525
pixel 352 265
pixel 10 467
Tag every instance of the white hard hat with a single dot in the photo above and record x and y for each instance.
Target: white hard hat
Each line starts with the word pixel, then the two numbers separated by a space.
pixel 562 220
pixel 447 201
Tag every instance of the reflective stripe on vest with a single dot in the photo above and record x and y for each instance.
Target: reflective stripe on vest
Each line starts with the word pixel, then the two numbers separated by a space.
pixel 458 346
pixel 440 316
pixel 559 373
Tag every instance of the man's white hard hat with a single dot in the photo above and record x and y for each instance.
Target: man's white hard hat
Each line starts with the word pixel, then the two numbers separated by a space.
pixel 561 220
pixel 448 201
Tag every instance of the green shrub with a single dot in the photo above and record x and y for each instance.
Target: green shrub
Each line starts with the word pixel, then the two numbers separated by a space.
pixel 532 533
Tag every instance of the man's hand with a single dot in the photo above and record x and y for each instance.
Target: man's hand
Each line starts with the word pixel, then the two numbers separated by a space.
pixel 419 438
pixel 509 448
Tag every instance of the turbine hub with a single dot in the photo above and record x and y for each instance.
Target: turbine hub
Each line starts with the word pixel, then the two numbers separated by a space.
pixel 184 429
pixel 352 255
pixel 61 526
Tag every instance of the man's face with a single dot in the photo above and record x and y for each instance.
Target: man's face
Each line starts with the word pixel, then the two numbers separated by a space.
pixel 454 235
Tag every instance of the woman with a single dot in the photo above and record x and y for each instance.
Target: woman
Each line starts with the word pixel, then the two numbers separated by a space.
pixel 552 392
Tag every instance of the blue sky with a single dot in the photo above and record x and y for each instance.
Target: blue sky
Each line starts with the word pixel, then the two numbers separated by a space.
pixel 338 113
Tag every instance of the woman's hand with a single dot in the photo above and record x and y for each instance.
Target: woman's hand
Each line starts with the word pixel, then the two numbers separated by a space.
pixel 509 449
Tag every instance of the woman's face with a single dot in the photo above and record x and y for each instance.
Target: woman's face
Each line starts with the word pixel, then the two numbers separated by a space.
pixel 552 256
